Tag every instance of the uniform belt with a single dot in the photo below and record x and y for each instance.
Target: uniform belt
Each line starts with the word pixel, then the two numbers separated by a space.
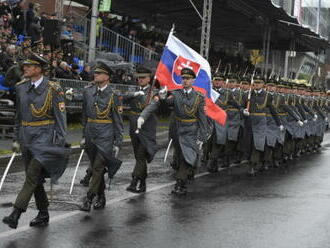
pixel 37 123
pixel 258 114
pixel 282 114
pixel 102 121
pixel 232 109
pixel 133 113
pixel 185 120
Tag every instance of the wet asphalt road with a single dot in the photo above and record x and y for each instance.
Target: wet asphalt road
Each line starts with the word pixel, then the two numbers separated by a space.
pixel 287 207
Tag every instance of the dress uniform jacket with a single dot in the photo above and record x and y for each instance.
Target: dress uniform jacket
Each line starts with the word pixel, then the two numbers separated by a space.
pixel 102 121
pixel 230 130
pixel 189 122
pixel 291 119
pixel 258 119
pixel 40 125
pixel 273 133
pixel 147 134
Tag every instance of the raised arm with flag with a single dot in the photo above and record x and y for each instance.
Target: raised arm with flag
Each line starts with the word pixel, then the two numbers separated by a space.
pixel 188 76
pixel 177 56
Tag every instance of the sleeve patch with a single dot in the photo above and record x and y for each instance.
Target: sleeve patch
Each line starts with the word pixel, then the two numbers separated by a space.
pixel 61 106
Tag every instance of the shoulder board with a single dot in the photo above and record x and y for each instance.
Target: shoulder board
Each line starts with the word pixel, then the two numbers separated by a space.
pixel 55 85
pixel 199 93
pixel 22 82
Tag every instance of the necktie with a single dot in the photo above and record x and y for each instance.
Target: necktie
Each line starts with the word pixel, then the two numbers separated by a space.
pixel 32 87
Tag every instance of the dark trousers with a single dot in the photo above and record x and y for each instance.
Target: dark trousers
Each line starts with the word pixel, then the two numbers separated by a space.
pixel 278 152
pixel 185 169
pixel 97 184
pixel 32 185
pixel 140 152
pixel 268 154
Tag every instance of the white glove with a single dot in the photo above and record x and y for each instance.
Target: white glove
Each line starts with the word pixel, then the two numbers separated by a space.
pixel 139 93
pixel 83 143
pixel 305 121
pixel 326 119
pixel 69 94
pixel 300 123
pixel 140 122
pixel 199 144
pixel 246 112
pixel 115 150
pixel 15 146
pixel 315 118
pixel 163 93
pixel 281 128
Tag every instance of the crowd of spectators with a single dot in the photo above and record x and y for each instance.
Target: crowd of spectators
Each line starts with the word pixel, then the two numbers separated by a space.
pixel 24 29
pixel 135 29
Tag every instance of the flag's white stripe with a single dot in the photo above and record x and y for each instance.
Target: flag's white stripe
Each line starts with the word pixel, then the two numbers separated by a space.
pixel 180 49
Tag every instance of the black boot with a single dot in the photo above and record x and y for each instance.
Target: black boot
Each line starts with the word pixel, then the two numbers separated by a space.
pixel 42 219
pixel 12 219
pixel 226 163
pixel 100 202
pixel 142 186
pixel 180 188
pixel 87 203
pixel 133 185
pixel 86 179
pixel 212 166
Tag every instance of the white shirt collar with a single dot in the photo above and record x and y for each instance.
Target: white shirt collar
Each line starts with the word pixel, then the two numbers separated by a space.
pixel 38 82
pixel 145 87
pixel 103 88
pixel 258 91
pixel 187 91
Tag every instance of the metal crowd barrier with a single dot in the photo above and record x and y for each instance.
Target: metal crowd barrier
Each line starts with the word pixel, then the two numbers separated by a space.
pixel 75 106
pixel 110 41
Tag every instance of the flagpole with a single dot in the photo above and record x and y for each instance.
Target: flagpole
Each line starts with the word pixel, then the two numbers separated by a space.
pixel 149 96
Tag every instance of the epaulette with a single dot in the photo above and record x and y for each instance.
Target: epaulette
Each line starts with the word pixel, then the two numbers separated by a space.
pixel 56 86
pixel 199 93
pixel 22 81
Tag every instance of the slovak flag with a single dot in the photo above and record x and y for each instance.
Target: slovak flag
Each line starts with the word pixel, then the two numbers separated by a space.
pixel 175 57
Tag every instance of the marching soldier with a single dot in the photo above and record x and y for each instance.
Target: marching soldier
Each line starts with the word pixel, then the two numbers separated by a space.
pixel 103 133
pixel 189 128
pixel 40 130
pixel 275 129
pixel 257 114
pixel 144 142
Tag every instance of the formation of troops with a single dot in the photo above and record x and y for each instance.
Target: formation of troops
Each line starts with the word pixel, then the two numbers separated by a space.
pixel 268 123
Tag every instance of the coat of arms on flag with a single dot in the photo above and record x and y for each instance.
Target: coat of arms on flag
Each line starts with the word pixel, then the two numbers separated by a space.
pixel 181 63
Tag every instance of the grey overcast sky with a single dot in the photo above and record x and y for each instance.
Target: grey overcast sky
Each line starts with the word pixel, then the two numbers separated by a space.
pixel 315 3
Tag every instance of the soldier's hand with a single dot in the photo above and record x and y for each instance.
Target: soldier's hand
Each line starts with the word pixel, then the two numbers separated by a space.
pixel 139 93
pixel 69 94
pixel 281 128
pixel 300 123
pixel 305 121
pixel 246 112
pixel 115 151
pixel 326 119
pixel 315 118
pixel 140 122
pixel 83 143
pixel 163 93
pixel 16 147
pixel 199 144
